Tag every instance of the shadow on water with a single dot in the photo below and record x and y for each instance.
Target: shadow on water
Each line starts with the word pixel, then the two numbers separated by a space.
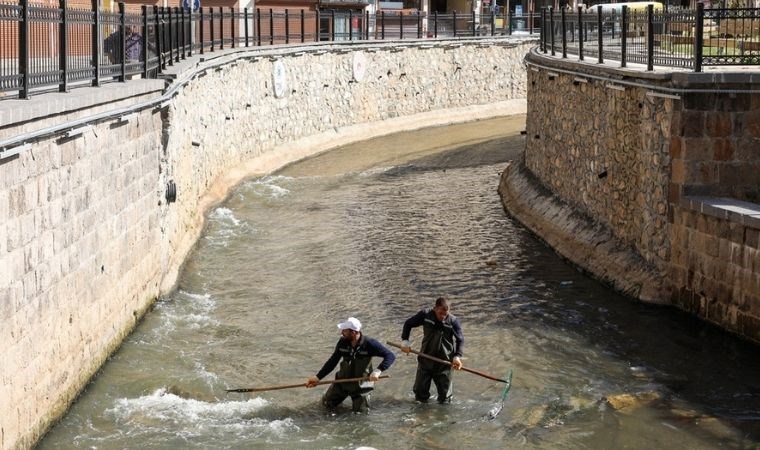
pixel 690 369
pixel 693 364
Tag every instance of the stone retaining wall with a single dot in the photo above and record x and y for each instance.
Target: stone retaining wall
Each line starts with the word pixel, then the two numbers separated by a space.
pixel 87 238
pixel 604 151
pixel 715 267
pixel 621 153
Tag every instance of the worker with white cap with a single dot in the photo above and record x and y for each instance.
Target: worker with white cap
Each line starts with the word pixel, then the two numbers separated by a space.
pixel 356 352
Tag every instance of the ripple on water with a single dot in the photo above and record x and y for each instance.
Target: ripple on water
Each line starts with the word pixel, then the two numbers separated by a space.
pixel 303 253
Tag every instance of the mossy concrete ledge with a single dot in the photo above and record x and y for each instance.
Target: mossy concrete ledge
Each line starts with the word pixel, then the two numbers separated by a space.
pixel 578 238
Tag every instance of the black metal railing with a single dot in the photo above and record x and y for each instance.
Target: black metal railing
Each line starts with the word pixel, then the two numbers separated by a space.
pixel 671 38
pixel 54 48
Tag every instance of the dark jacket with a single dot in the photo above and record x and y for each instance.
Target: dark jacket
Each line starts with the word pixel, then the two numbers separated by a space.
pixel 357 361
pixel 444 340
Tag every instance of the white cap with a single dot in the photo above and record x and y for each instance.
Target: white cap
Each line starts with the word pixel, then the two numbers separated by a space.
pixel 352 323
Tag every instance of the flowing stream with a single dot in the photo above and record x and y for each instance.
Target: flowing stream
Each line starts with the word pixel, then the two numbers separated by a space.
pixel 378 230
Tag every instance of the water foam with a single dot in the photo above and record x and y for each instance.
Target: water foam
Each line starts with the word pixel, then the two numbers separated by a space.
pixel 226 227
pixel 201 301
pixel 225 215
pixel 164 406
pixel 268 187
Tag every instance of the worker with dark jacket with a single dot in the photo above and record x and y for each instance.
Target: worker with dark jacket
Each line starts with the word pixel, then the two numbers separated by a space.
pixel 357 351
pixel 442 338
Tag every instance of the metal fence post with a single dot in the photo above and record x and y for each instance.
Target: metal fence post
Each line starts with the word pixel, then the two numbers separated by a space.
pixel 189 36
pixel 401 24
pixel 366 25
pixel 551 26
pixel 543 29
pixel 221 28
pixel 145 40
pixel 580 33
pixel 303 27
pixel 62 47
pixel 563 25
pixel 419 26
pixel 332 25
pixel 472 14
pixel 167 29
pixel 509 17
pixel 650 37
pixel 189 31
pixel 170 38
pixel 245 20
pixel 317 31
pixel 179 38
pixel 233 38
pixel 455 24
pixel 95 38
pixel 23 49
pixel 173 38
pixel 493 23
pixel 624 36
pixel 201 27
pixel 123 42
pixel 382 25
pixel 435 24
pixel 350 25
pixel 271 27
pixel 287 26
pixel 182 34
pixel 599 33
pixel 699 29
pixel 158 30
pixel 211 28
pixel 258 27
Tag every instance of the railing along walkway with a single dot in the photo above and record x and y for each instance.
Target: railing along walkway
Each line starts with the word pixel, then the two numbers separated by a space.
pixel 54 47
pixel 688 39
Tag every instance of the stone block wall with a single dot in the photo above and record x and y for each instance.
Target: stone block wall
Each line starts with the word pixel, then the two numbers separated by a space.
pixel 666 162
pixel 715 153
pixel 715 146
pixel 715 269
pixel 603 151
pixel 78 251
pixel 87 239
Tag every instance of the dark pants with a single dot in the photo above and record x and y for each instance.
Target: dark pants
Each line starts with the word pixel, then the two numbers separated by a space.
pixel 442 380
pixel 339 391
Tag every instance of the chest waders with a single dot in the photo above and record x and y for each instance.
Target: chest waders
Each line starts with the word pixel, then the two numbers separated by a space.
pixel 437 340
pixel 356 363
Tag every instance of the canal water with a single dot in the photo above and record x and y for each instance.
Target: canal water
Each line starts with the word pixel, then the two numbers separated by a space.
pixel 378 230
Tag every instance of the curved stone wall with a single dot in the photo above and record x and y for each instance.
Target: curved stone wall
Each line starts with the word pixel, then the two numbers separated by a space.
pixel 648 180
pixel 604 151
pixel 87 237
